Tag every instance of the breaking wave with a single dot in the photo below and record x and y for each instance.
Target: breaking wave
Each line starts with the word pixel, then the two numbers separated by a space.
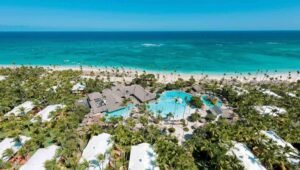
pixel 151 45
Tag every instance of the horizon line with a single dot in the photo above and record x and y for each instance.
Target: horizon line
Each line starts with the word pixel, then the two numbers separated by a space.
pixel 287 30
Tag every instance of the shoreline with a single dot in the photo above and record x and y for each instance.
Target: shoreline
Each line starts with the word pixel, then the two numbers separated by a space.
pixel 170 76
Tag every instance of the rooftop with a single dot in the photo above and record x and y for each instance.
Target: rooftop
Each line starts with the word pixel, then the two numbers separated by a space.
pixel 27 106
pixel 246 157
pixel 270 110
pixel 112 99
pixel 2 78
pixel 78 87
pixel 291 94
pixel 197 88
pixel 10 143
pixel 216 110
pixel 39 158
pixel 142 157
pixel 45 113
pixel 100 144
pixel 280 142
pixel 270 93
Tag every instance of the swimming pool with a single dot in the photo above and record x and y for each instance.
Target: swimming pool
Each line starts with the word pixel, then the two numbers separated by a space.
pixel 208 103
pixel 124 112
pixel 175 102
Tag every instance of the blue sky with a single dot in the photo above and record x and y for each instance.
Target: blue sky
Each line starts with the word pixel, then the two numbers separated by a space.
pixel 149 15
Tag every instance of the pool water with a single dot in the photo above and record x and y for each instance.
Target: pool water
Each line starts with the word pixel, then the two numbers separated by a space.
pixel 208 103
pixel 124 112
pixel 175 102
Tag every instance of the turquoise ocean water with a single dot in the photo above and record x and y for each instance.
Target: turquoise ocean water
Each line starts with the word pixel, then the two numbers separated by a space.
pixel 186 52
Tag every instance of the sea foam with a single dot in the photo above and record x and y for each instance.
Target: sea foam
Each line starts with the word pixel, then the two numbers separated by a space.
pixel 151 45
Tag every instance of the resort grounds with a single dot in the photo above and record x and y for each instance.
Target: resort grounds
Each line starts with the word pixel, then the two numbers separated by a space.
pixel 56 117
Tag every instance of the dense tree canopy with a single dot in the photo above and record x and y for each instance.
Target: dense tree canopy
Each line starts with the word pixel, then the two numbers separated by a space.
pixel 207 148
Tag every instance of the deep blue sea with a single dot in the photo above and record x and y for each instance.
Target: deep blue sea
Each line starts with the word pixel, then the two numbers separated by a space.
pixel 187 52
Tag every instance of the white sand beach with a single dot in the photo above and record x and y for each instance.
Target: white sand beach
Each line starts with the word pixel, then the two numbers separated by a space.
pixel 127 74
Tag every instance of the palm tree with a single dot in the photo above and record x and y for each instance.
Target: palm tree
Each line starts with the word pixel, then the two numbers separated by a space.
pixel 83 166
pixel 4 165
pixel 50 165
pixel 169 116
pixel 176 102
pixel 8 153
pixel 101 159
pixel 186 103
pixel 22 111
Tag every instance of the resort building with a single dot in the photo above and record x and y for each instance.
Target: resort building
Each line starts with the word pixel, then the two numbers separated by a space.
pixel 270 110
pixel 270 93
pixel 53 89
pixel 113 99
pixel 45 113
pixel 40 157
pixel 12 143
pixel 2 78
pixel 215 110
pixel 246 157
pixel 21 109
pixel 142 157
pixel 78 88
pixel 213 104
pixel 291 94
pixel 291 156
pixel 82 102
pixel 239 90
pixel 98 145
pixel 197 88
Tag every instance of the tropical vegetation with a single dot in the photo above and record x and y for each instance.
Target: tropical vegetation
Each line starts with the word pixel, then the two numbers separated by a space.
pixel 206 148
